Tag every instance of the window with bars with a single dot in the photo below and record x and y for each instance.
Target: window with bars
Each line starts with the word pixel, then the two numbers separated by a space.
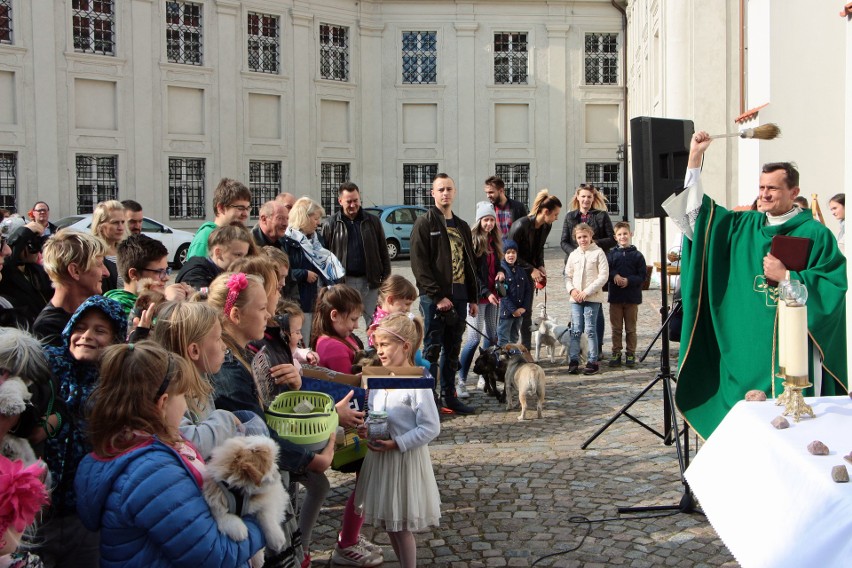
pixel 334 52
pixel 97 180
pixel 5 21
pixel 184 32
pixel 417 183
pixel 605 177
pixel 601 59
pixel 263 43
pixel 9 181
pixel 93 24
pixel 186 188
pixel 510 58
pixel 331 176
pixel 264 183
pixel 517 180
pixel 419 57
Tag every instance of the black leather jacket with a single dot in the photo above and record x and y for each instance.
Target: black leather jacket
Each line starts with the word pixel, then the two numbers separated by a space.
pixel 432 259
pixel 336 237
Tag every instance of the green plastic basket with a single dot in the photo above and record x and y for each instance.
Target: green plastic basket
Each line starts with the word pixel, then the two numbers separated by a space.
pixel 308 430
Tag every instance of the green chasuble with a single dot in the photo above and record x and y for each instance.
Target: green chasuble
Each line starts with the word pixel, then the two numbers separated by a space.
pixel 728 342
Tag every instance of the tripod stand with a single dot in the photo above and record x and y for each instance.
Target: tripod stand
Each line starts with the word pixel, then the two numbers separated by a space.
pixel 671 432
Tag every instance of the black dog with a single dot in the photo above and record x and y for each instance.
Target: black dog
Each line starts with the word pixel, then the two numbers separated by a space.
pixel 488 367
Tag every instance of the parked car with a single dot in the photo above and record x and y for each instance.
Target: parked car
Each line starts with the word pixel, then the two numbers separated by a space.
pixel 176 241
pixel 397 222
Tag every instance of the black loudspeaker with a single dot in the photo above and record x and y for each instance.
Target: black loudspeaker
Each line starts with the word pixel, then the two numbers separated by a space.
pixel 660 148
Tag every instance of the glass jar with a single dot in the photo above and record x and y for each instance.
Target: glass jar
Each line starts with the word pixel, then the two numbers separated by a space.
pixel 377 425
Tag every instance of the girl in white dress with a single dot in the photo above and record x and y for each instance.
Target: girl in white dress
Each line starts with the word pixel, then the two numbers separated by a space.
pixel 397 488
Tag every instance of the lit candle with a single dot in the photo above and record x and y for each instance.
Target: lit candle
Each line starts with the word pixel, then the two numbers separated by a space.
pixel 782 333
pixel 796 332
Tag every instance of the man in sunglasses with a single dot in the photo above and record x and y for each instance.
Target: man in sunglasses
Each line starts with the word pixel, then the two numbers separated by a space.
pixel 231 203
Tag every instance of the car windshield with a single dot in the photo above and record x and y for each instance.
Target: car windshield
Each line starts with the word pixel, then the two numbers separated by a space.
pixel 68 221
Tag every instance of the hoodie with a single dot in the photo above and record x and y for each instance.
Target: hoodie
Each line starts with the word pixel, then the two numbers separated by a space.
pixel 76 381
pixel 149 509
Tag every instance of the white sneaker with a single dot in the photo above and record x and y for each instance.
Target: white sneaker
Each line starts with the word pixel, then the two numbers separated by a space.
pixel 461 389
pixel 371 546
pixel 355 555
pixel 480 384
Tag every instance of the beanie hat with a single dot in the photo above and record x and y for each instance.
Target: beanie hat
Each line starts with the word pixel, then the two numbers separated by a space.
pixel 509 244
pixel 485 209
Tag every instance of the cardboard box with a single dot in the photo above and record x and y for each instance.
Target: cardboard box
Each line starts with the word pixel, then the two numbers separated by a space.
pixel 328 375
pixel 397 378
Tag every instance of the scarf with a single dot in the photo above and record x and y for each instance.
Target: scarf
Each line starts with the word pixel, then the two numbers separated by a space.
pixel 323 259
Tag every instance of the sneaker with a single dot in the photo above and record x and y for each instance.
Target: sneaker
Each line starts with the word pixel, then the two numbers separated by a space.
pixel 455 406
pixel 631 360
pixel 615 360
pixel 574 368
pixel 591 368
pixel 355 555
pixel 371 546
pixel 461 389
pixel 480 384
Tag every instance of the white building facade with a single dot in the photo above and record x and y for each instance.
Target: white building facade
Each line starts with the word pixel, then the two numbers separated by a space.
pixel 156 100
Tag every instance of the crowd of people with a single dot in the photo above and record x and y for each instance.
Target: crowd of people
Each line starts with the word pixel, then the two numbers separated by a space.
pixel 133 381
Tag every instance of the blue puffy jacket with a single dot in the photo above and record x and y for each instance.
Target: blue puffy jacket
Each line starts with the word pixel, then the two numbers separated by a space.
pixel 150 512
pixel 628 262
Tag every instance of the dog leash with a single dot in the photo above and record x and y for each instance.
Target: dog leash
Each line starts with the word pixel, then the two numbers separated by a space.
pixel 474 328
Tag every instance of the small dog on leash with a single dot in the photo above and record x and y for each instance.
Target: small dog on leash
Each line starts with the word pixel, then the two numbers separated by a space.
pixel 523 375
pixel 488 367
pixel 543 333
pixel 250 465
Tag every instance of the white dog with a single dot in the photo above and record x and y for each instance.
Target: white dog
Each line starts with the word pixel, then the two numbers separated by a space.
pixel 14 396
pixel 543 330
pixel 249 464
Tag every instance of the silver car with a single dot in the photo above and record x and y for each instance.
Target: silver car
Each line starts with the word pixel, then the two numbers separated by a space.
pixel 176 241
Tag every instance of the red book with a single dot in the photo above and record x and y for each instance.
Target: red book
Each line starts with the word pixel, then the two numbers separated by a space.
pixel 792 251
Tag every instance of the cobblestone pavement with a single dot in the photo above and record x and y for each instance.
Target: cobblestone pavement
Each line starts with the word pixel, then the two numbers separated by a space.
pixel 513 491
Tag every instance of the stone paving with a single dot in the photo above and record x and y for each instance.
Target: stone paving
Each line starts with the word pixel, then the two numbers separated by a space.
pixel 514 492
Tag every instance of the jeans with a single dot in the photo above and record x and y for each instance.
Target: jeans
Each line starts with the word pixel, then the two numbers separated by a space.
pixel 508 330
pixel 486 322
pixel 369 296
pixel 583 317
pixel 447 339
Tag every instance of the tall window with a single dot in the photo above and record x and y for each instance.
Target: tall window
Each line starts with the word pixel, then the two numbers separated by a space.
pixel 605 177
pixel 334 52
pixel 184 32
pixel 510 58
pixel 186 188
pixel 419 57
pixel 97 180
pixel 9 181
pixel 5 21
pixel 263 43
pixel 517 180
pixel 601 59
pixel 417 183
pixel 331 176
pixel 93 26
pixel 264 182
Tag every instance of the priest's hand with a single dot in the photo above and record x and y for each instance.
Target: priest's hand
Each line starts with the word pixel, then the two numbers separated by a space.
pixel 773 268
pixel 700 141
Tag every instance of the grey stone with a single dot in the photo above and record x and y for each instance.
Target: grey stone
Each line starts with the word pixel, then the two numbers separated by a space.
pixel 840 474
pixel 817 448
pixel 780 423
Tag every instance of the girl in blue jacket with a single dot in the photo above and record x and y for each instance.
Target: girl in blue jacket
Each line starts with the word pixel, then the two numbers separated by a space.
pixel 141 486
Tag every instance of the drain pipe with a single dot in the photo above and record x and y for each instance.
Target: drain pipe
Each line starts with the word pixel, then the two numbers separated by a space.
pixel 621 9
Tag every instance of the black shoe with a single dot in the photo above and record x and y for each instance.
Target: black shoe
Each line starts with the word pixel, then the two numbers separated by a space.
pixel 591 368
pixel 452 403
pixel 631 360
pixel 574 368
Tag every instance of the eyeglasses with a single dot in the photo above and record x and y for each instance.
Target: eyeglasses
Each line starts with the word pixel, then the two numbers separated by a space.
pixel 241 208
pixel 41 210
pixel 587 186
pixel 163 273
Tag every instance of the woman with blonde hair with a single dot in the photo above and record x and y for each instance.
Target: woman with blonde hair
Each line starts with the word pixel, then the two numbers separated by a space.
pixel 530 233
pixel 311 264
pixel 108 226
pixel 589 206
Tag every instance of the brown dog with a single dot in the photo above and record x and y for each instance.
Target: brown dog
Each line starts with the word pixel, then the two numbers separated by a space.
pixel 523 375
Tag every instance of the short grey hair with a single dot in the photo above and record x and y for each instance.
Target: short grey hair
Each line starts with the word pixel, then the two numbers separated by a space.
pixel 302 209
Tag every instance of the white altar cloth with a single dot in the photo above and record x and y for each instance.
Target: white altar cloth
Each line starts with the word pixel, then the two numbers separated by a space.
pixel 771 502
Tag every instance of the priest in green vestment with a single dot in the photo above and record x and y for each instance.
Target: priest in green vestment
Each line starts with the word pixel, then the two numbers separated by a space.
pixel 729 336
